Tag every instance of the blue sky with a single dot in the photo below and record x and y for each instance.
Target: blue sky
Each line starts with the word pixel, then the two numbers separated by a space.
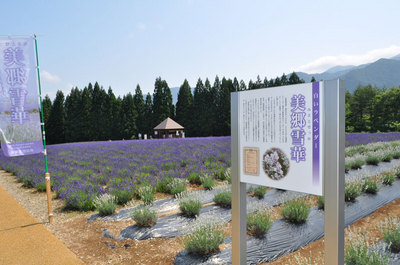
pixel 124 43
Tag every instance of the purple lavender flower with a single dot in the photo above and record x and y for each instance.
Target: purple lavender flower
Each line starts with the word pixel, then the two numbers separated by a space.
pixel 275 163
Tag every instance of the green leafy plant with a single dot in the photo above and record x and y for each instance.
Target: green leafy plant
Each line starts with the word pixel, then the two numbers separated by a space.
pixel 295 211
pixel 204 239
pixel 390 229
pixel 387 157
pixel 258 224
pixel 258 192
pixel 387 179
pixel 351 191
pixel 359 252
pixel 396 155
pixel 122 196
pixel 207 181
pixel 176 185
pixel 220 174
pixel 194 178
pixel 190 206
pixel 372 160
pixel 146 194
pixel 105 204
pixel 321 202
pixel 143 216
pixel 228 175
pixel 355 164
pixel 223 198
pixel 370 186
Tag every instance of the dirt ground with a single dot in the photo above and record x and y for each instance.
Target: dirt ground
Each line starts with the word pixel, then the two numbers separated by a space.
pixel 86 241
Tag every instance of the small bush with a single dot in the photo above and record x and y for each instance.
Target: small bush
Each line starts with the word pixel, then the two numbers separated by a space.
pixel 176 186
pixel 162 185
pixel 397 172
pixel 143 216
pixel 79 200
pixel 105 204
pixel 321 202
pixel 41 187
pixel 223 198
pixel 258 224
pixel 194 178
pixel 387 157
pixel 207 181
pixel 259 192
pixel 390 229
pixel 396 155
pixel 387 179
pixel 357 253
pixel 372 160
pixel 356 164
pixel 220 174
pixel 370 186
pixel 351 191
pixel 190 207
pixel 204 240
pixel 146 194
pixel 122 196
pixel 295 211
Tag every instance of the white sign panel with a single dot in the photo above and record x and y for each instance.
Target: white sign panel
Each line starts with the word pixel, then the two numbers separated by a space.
pixel 280 137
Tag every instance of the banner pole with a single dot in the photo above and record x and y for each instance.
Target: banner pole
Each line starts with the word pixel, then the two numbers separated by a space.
pixel 47 174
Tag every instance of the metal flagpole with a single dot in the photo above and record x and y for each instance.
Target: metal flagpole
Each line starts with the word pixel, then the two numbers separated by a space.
pixel 47 174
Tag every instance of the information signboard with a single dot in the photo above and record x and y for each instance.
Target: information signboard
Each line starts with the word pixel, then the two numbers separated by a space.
pixel 280 137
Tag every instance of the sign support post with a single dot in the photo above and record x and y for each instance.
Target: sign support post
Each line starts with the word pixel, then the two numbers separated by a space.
pixel 334 171
pixel 239 225
pixel 47 174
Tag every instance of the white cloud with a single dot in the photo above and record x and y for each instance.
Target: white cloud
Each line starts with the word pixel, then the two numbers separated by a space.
pixel 47 77
pixel 326 62
pixel 141 26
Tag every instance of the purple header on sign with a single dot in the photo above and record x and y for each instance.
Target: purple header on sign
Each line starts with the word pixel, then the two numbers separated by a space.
pixel 315 132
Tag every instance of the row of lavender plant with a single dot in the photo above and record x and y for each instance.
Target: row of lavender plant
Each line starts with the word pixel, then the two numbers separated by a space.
pixel 82 171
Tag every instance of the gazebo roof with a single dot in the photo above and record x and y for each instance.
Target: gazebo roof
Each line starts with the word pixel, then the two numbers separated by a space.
pixel 168 124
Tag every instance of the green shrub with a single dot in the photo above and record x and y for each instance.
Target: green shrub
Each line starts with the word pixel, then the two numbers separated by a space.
pixel 396 155
pixel 259 192
pixel 105 204
pixel 355 164
pixel 321 202
pixel 372 160
pixel 194 178
pixel 258 224
pixel 357 253
pixel 207 181
pixel 143 216
pixel 204 240
pixel 146 194
pixel 220 174
pixel 370 186
pixel 176 185
pixel 223 198
pixel 387 179
pixel 122 196
pixel 228 175
pixel 387 157
pixel 397 172
pixel 190 207
pixel 79 200
pixel 390 229
pixel 295 211
pixel 351 191
pixel 162 185
pixel 41 187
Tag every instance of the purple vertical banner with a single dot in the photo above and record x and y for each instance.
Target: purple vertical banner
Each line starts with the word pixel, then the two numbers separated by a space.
pixel 316 133
pixel 20 132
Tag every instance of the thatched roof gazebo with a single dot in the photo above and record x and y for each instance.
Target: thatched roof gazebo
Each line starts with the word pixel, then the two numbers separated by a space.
pixel 169 129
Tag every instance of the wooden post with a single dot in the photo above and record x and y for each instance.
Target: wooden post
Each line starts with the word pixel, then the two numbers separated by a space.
pixel 48 193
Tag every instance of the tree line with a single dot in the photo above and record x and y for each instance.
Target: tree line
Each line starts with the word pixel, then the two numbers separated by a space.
pixel 94 114
pixel 372 109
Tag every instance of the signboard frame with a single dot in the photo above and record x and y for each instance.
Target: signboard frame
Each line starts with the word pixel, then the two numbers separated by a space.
pixel 333 131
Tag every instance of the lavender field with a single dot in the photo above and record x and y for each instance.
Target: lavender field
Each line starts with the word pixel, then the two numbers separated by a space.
pixel 82 171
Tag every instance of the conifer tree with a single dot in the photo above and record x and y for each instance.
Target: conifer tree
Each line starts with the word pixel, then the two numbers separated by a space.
pixel 129 116
pixel 46 104
pixel 56 125
pixel 148 113
pixel 139 104
pixel 242 86
pixel 236 86
pixel 284 80
pixel 73 118
pixel 86 114
pixel 184 107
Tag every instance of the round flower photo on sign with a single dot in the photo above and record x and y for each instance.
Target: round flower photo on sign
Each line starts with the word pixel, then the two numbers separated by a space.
pixel 275 163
